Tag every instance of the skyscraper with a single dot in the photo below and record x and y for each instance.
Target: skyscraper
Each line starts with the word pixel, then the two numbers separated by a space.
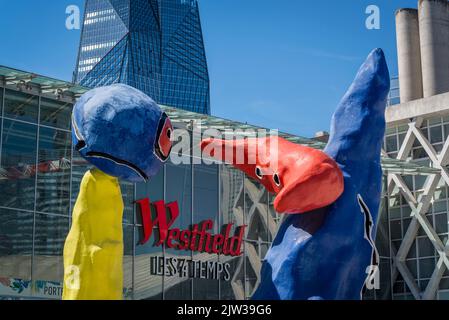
pixel 153 45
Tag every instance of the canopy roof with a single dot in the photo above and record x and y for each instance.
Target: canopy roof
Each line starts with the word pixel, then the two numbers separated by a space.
pixel 46 85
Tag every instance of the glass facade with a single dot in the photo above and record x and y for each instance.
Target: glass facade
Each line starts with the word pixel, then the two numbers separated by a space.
pixel 39 183
pixel 153 45
pixel 394 95
pixel 40 176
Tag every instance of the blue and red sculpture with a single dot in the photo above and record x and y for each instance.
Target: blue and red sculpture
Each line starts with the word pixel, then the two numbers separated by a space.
pixel 325 249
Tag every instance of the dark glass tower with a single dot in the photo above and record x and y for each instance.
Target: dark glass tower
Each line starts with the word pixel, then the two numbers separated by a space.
pixel 153 45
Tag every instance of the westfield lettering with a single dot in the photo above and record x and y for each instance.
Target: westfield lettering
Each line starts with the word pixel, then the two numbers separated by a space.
pixel 197 238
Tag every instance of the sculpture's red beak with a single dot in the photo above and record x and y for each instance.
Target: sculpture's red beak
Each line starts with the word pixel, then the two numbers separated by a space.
pixel 303 178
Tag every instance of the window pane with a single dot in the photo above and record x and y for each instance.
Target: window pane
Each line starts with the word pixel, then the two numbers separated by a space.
pixel 438 147
pixel 18 163
pixel 435 120
pixel 53 178
pixel 205 183
pixel 16 232
pixel 436 134
pixel 21 106
pixel 56 113
pixel 426 267
pixel 419 182
pixel 412 266
pixel 444 284
pixel 147 283
pixel 391 143
pixel 179 188
pixel 390 130
pixel 154 190
pixel 408 181
pixel 419 153
pixel 395 229
pixel 127 190
pixel 385 280
pixel 128 240
pixel 48 266
pixel 399 287
pixel 423 284
pixel 412 252
pixel 382 237
pixel 79 169
pixel 446 131
pixel 426 248
pixel 395 213
pixel 231 211
pixel 406 211
pixel 441 223
pixel 405 224
pixel 440 206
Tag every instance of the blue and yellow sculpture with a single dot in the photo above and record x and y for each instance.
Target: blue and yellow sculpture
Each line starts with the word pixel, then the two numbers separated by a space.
pixel 125 135
pixel 324 249
pixel 327 252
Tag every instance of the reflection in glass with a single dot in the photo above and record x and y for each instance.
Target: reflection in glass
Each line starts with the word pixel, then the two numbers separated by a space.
pixel 426 267
pixel 128 239
pixel 18 165
pixel 55 113
pixel 53 177
pixel 441 223
pixel 16 232
pixel 51 232
pixel 205 207
pixel 436 134
pixel 79 169
pixel 127 190
pixel 21 106
pixel 179 188
pixel 146 284
pixel 153 190
pixel 425 247
pixel 231 211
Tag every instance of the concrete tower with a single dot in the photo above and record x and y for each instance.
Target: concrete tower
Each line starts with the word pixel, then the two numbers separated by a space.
pixel 409 55
pixel 434 38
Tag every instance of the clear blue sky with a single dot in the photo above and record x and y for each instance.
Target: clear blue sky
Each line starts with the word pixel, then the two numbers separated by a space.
pixel 281 64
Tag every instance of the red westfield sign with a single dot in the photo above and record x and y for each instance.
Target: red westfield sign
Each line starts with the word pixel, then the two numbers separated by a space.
pixel 195 239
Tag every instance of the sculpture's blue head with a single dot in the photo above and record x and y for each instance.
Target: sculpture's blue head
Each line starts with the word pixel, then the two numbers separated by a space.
pixel 122 132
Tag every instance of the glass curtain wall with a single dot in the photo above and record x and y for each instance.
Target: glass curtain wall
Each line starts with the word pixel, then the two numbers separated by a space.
pixel 40 176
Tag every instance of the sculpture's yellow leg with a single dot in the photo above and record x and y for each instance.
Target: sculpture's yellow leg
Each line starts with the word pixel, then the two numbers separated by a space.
pixel 93 251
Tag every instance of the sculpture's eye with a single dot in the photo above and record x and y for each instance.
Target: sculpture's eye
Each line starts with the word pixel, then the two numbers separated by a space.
pixel 163 143
pixel 169 133
pixel 277 180
pixel 259 173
